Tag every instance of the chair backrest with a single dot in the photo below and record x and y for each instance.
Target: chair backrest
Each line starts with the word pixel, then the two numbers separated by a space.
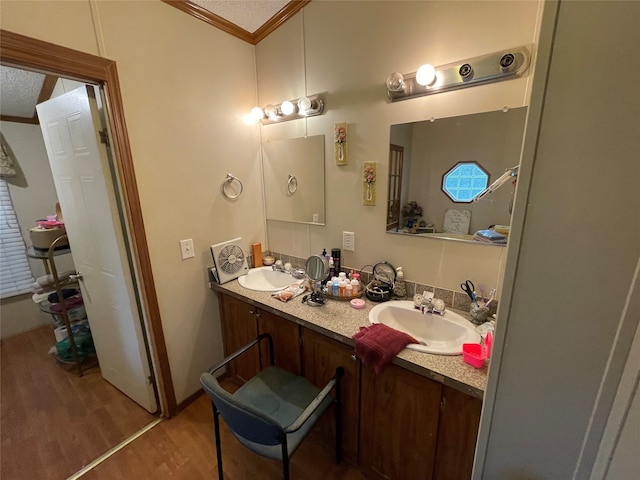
pixel 242 418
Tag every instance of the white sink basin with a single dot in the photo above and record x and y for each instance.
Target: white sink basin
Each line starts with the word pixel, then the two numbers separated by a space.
pixel 437 334
pixel 265 279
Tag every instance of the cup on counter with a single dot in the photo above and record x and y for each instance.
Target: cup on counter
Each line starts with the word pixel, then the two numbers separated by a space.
pixel 479 314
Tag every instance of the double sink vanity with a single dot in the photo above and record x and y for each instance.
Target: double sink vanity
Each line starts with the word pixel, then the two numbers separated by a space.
pixel 418 418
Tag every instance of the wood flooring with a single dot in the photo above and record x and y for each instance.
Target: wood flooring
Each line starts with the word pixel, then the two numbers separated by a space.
pixel 52 421
pixel 183 448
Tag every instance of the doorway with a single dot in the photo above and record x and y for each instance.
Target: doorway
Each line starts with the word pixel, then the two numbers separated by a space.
pixel 30 54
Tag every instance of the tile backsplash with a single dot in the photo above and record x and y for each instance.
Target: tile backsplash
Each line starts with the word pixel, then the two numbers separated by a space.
pixel 453 299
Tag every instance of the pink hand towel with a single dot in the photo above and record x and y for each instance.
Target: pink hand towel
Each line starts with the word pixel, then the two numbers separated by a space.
pixel 378 344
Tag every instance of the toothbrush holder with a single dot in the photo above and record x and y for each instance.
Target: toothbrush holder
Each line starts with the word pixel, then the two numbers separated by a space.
pixel 479 314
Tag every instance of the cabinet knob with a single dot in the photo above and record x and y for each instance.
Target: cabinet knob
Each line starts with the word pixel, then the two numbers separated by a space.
pixel 252 312
pixel 353 357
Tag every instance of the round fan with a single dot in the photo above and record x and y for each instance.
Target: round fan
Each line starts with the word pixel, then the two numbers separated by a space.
pixel 231 259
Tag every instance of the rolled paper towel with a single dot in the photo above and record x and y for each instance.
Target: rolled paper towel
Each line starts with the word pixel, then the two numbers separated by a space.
pixel 48 280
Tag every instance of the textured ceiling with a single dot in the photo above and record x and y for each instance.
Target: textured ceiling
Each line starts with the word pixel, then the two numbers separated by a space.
pixel 19 91
pixel 249 15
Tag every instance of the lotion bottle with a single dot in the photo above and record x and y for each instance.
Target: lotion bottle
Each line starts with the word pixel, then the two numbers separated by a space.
pixel 355 285
pixel 348 290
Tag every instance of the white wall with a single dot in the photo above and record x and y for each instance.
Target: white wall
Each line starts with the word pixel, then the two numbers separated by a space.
pixel 34 197
pixel 570 319
pixel 320 51
pixel 185 86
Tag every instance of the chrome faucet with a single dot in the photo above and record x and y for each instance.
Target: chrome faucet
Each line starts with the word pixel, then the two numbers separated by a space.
pixel 278 266
pixel 427 303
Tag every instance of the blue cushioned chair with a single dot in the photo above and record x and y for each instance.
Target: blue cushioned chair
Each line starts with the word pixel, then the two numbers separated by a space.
pixel 273 412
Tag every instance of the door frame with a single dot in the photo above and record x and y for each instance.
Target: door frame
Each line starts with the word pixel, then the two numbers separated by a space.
pixel 20 51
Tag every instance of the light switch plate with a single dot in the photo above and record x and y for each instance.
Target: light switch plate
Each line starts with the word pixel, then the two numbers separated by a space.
pixel 349 241
pixel 186 248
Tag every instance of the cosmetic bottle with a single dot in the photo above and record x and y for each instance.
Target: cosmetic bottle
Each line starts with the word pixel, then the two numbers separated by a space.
pixel 336 254
pixel 355 285
pixel 348 289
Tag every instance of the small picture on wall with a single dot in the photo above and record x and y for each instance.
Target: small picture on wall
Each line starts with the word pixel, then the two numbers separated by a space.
pixel 341 153
pixel 369 183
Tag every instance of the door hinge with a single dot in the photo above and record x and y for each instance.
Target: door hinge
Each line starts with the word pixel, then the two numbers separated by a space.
pixel 104 136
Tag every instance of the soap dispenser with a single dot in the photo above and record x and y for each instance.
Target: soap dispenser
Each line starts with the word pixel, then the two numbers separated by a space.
pixel 399 288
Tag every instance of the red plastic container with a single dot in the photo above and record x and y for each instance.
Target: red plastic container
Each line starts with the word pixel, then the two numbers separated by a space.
pixel 473 354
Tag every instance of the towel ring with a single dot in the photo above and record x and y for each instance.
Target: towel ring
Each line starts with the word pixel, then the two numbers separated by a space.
pixel 292 185
pixel 230 178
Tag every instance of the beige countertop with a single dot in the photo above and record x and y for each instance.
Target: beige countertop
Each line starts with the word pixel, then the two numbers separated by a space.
pixel 338 320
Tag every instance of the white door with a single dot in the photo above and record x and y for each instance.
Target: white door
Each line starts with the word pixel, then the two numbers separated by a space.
pixel 82 178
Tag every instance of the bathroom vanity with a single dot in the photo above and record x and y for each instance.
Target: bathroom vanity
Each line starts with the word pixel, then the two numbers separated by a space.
pixel 417 419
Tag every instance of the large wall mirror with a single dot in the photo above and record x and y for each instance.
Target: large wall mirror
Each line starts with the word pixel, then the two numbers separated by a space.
pixel 436 167
pixel 294 179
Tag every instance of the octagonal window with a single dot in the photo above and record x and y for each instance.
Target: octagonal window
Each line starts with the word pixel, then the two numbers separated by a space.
pixel 464 181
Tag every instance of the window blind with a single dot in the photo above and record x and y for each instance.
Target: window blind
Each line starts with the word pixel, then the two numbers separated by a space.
pixel 15 273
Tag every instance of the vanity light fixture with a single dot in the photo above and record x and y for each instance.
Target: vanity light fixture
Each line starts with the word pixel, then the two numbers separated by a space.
pixel 426 75
pixel 302 107
pixel 428 79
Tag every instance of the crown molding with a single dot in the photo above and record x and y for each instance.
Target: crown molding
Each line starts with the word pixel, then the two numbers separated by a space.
pixel 195 10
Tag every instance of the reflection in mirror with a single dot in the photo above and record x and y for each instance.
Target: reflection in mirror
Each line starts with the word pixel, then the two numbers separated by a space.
pixel 294 179
pixel 423 153
pixel 316 268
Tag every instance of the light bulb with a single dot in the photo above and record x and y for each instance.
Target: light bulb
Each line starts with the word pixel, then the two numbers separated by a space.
pixel 257 113
pixel 287 107
pixel 395 82
pixel 426 75
pixel 271 111
pixel 304 104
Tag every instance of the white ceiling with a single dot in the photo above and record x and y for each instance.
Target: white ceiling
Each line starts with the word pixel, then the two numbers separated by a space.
pixel 19 89
pixel 249 15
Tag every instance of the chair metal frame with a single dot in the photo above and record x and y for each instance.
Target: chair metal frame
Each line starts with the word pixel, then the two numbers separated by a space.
pixel 335 382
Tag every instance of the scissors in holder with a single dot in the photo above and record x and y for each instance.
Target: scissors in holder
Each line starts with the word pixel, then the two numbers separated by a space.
pixel 469 288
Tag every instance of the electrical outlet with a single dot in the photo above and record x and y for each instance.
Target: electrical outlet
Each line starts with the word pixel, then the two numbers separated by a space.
pixel 349 241
pixel 186 248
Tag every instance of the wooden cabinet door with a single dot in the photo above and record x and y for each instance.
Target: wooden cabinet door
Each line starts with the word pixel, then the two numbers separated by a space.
pixel 322 355
pixel 239 327
pixel 399 414
pixel 459 422
pixel 286 342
